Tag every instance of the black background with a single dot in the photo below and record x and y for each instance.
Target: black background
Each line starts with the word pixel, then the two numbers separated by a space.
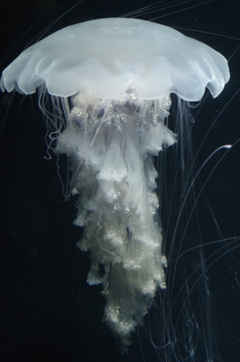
pixel 47 310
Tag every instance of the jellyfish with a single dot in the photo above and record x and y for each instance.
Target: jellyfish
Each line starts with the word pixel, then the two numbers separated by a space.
pixel 105 89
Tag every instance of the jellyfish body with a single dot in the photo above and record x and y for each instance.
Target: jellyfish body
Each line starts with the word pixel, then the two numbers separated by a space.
pixel 119 74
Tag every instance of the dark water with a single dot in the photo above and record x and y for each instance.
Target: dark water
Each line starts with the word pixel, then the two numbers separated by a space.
pixel 47 311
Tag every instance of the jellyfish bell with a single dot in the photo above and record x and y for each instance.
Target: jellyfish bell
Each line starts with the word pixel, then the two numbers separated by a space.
pixel 110 83
pixel 109 55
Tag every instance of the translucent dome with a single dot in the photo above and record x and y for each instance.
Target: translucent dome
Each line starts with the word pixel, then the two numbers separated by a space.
pixel 110 55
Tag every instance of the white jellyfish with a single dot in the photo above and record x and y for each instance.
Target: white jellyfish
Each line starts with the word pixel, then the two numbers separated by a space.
pixel 110 83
